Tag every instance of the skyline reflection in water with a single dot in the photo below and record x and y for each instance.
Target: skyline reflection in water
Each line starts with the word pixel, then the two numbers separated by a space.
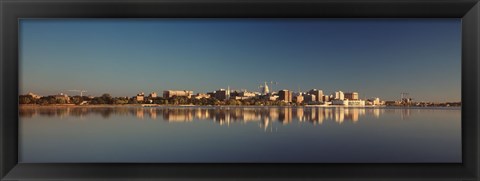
pixel 234 134
pixel 221 115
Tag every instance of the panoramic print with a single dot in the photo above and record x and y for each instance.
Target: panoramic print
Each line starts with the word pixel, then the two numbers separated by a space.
pixel 240 91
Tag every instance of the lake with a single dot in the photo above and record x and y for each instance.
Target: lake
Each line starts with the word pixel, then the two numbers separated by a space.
pixel 207 134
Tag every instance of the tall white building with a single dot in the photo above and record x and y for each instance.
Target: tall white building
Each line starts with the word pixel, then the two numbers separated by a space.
pixel 228 92
pixel 265 89
pixel 318 94
pixel 339 95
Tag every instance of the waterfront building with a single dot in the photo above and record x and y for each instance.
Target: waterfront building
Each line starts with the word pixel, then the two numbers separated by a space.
pixel 347 102
pixel 140 97
pixel 285 95
pixel 222 94
pixel 246 94
pixel 62 96
pixel 308 98
pixel 183 93
pixel 153 95
pixel 318 94
pixel 34 96
pixel 265 89
pixel 273 97
pixel 234 94
pixel 374 101
pixel 241 98
pixel 211 94
pixel 356 103
pixel 228 92
pixel 242 95
pixel 200 96
pixel 339 95
pixel 351 95
pixel 298 99
pixel 326 98
pixel 392 103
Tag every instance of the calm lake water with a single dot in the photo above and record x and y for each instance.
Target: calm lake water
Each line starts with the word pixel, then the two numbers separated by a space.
pixel 239 134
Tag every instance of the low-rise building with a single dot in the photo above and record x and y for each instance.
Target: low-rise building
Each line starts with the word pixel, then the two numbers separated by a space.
pixel 347 102
pixel 34 96
pixel 63 97
pixel 140 97
pixel 392 103
pixel 356 103
pixel 200 96
pixel 375 101
pixel 326 98
pixel 153 95
pixel 273 97
pixel 246 94
pixel 171 93
pixel 298 99
pixel 308 98
pixel 351 95
pixel 241 98
pixel 211 94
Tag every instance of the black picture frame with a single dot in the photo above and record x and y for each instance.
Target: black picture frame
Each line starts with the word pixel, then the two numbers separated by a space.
pixel 12 10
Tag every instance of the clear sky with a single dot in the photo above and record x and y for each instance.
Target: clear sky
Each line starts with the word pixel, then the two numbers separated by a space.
pixel 375 57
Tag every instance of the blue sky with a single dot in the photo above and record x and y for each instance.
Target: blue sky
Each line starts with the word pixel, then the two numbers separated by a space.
pixel 375 57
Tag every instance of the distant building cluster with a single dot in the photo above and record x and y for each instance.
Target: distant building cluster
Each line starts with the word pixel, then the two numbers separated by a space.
pixel 178 93
pixel 266 96
pixel 311 97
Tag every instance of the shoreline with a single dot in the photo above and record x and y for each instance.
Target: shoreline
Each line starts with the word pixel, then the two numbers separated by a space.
pixel 227 106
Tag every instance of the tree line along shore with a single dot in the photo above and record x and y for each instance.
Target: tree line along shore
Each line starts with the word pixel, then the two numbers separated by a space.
pixel 107 99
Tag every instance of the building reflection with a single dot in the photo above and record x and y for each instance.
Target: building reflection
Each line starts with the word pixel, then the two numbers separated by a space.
pixel 265 117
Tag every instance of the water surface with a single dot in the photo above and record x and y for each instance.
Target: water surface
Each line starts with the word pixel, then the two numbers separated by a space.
pixel 239 134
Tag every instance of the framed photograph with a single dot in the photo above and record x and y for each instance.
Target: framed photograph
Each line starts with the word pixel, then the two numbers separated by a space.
pixel 239 90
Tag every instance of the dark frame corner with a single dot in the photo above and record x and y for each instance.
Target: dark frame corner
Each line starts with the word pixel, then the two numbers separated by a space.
pixel 11 10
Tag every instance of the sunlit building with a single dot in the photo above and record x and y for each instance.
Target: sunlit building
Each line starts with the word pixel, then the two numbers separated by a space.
pixel 273 97
pixel 153 95
pixel 200 96
pixel 246 94
pixel 63 97
pixel 285 95
pixel 299 98
pixel 326 98
pixel 243 95
pixel 347 102
pixel 171 93
pixel 375 101
pixel 140 97
pixel 318 94
pixel 351 95
pixel 339 95
pixel 222 94
pixel 34 96
pixel 308 98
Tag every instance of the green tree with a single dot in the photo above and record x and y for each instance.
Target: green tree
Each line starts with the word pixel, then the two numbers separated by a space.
pixel 61 101
pixel 26 100
pixel 77 100
pixel 52 100
pixel 107 98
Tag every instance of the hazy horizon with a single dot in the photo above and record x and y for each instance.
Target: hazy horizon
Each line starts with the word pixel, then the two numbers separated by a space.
pixel 375 57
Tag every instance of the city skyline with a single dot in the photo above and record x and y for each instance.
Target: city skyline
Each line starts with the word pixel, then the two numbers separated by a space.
pixel 376 57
